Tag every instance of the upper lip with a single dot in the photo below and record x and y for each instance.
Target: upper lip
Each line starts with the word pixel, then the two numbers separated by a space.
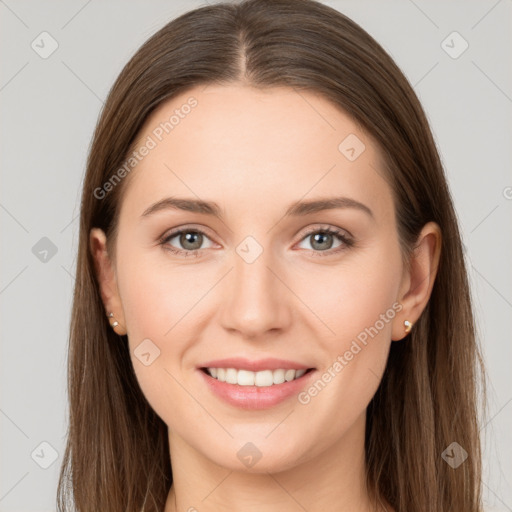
pixel 241 363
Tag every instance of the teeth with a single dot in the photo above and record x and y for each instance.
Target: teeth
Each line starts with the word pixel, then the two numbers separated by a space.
pixel 231 376
pixel 244 378
pixel 278 376
pixel 264 378
pixel 289 375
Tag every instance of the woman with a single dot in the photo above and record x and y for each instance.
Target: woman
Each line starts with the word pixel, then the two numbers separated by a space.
pixel 255 369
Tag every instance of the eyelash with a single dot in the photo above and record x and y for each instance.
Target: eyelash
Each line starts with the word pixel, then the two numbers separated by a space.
pixel 346 241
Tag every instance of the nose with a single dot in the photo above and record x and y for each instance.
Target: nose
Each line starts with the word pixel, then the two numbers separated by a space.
pixel 257 299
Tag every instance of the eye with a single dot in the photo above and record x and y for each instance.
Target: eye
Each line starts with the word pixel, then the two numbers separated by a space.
pixel 322 240
pixel 189 239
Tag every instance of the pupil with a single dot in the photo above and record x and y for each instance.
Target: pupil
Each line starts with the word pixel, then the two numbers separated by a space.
pixel 187 238
pixel 320 236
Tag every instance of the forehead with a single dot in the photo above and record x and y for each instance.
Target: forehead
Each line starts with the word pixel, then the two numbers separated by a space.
pixel 241 144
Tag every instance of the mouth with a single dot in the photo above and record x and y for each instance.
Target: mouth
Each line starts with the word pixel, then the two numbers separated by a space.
pixel 255 384
pixel 263 378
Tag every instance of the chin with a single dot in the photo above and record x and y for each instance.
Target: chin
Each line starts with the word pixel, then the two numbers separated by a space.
pixel 259 456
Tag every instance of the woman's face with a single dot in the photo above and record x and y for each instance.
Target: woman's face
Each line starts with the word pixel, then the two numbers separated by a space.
pixel 267 289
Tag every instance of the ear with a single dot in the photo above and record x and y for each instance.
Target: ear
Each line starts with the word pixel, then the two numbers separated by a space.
pixel 105 274
pixel 418 280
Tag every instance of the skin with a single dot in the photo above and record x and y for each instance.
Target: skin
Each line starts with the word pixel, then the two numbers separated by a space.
pixel 254 153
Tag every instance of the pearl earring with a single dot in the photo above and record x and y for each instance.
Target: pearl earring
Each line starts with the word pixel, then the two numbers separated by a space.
pixel 113 324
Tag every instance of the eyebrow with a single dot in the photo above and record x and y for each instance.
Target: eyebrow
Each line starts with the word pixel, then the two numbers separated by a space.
pixel 297 209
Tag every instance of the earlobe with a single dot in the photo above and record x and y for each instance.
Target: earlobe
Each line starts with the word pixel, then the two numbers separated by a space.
pixel 106 279
pixel 419 280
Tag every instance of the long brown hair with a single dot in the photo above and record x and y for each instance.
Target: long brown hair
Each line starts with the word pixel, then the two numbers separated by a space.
pixel 117 453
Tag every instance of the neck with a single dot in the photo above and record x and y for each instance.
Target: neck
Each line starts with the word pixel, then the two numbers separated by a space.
pixel 333 481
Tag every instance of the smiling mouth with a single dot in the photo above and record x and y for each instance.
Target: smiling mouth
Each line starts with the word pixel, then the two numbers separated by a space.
pixel 263 378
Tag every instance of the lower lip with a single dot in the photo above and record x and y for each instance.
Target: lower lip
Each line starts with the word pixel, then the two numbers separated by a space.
pixel 256 397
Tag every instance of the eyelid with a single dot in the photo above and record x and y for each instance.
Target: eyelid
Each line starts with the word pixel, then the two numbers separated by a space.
pixel 329 228
pixel 187 227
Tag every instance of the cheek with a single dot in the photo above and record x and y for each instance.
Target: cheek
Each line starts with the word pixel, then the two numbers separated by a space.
pixel 160 308
pixel 155 295
pixel 350 297
pixel 155 314
pixel 360 307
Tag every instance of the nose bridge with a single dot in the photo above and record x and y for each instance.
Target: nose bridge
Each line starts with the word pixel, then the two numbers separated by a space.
pixel 256 298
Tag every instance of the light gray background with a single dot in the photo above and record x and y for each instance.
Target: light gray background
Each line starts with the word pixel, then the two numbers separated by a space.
pixel 49 108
